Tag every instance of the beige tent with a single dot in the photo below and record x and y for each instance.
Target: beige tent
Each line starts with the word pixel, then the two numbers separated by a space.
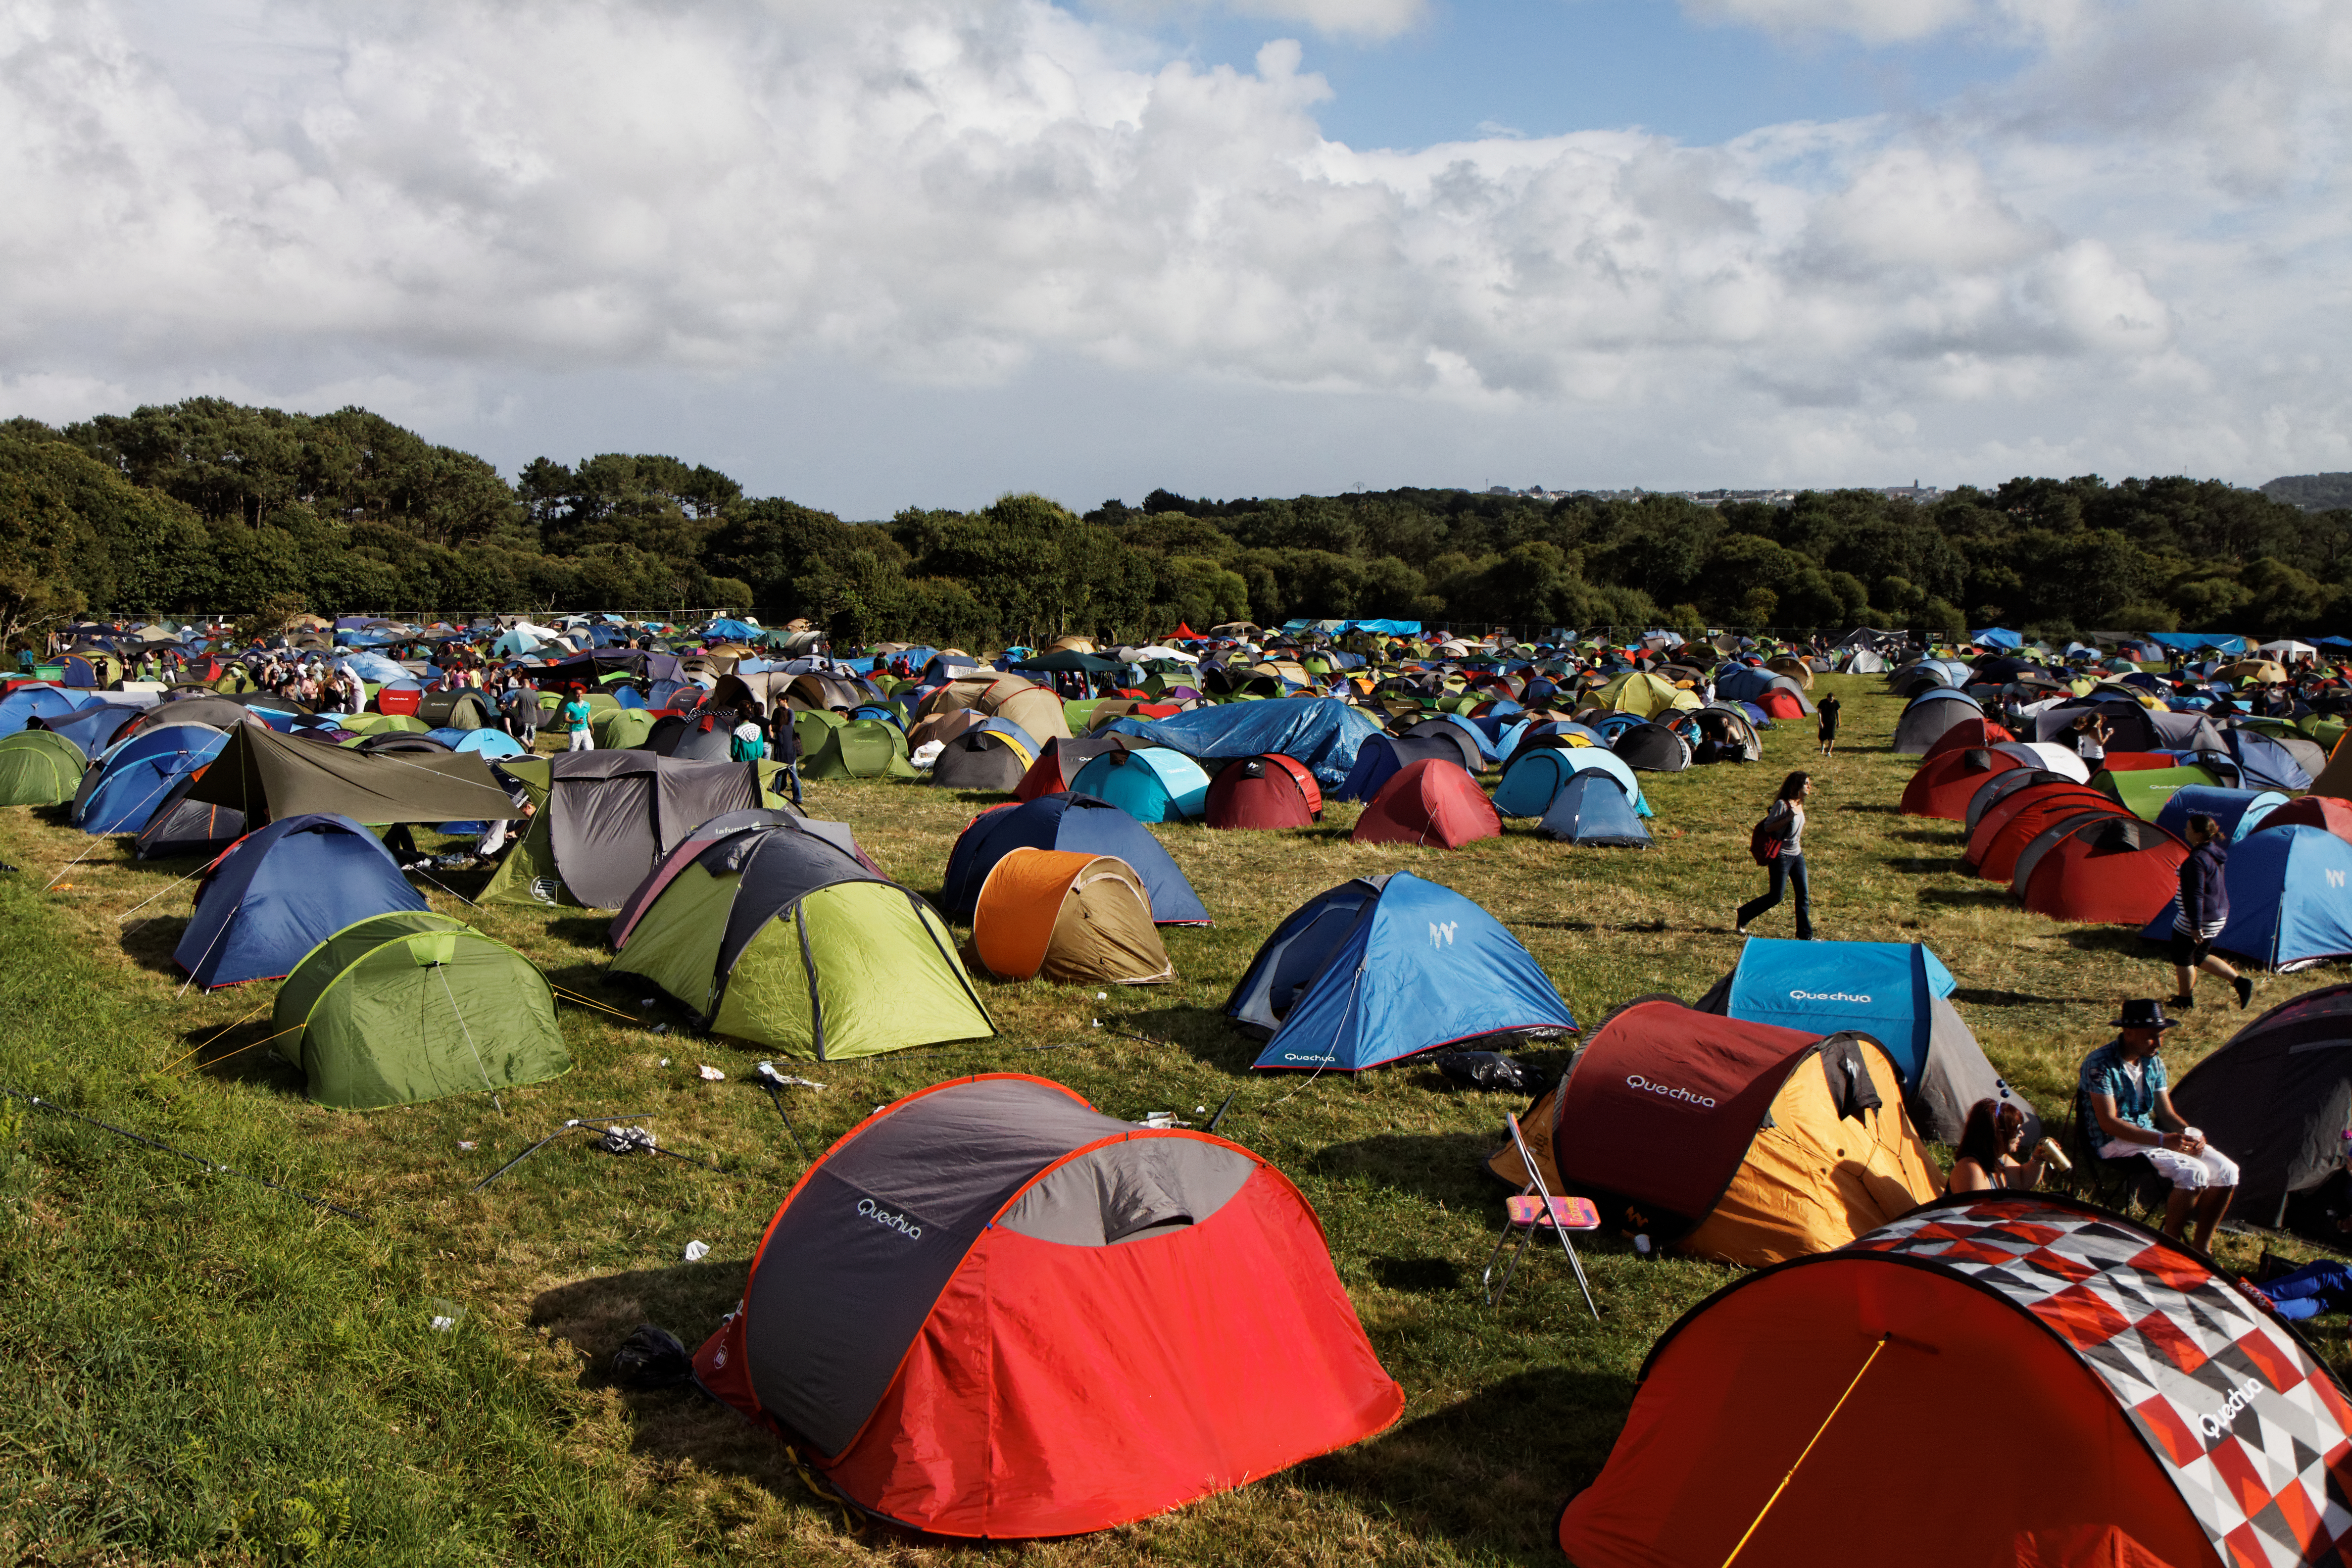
pixel 1072 644
pixel 1796 669
pixel 1076 919
pixel 1037 711
pixel 943 726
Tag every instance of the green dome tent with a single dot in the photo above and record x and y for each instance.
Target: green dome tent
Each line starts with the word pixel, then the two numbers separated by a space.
pixel 812 727
pixel 777 937
pixel 415 1006
pixel 40 767
pixel 620 729
pixel 861 749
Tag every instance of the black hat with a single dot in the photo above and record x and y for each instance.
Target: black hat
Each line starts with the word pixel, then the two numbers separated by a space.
pixel 2144 1013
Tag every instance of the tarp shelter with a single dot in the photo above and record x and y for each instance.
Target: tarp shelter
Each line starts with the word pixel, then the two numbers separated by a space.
pixel 130 784
pixel 282 889
pixel 1652 748
pixel 267 776
pixel 1154 785
pixel 1387 966
pixel 2281 1090
pixel 1536 775
pixel 2113 870
pixel 2238 811
pixel 1745 1142
pixel 1321 732
pixel 1591 809
pixel 2290 899
pixel 775 936
pixel 38 767
pixel 179 825
pixel 992 756
pixel 1263 792
pixel 991 1311
pixel 1075 919
pixel 1434 803
pixel 2176 1418
pixel 1929 714
pixel 861 749
pixel 1898 993
pixel 606 820
pixel 413 1006
pixel 1076 823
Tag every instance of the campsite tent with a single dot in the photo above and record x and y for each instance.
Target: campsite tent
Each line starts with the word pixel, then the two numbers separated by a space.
pixel 1264 793
pixel 607 818
pixel 2176 1419
pixel 1076 919
pixel 775 936
pixel 2110 870
pixel 1033 707
pixel 1073 822
pixel 1944 783
pixel 2290 905
pixel 1384 967
pixel 128 784
pixel 1645 694
pixel 2143 791
pixel 1747 1142
pixel 1321 732
pixel 1536 775
pixel 462 708
pixel 1968 732
pixel 179 825
pixel 1720 732
pixel 281 891
pixel 991 1311
pixel 38 767
pixel 1591 809
pixel 2280 1089
pixel 861 749
pixel 2311 811
pixel 413 1005
pixel 1469 747
pixel 2238 811
pixel 620 728
pixel 26 703
pixel 1998 787
pixel 268 775
pixel 1381 757
pixel 1897 992
pixel 1651 747
pixel 2002 834
pixel 1154 785
pixel 1933 711
pixel 1434 804
pixel 991 755
pixel 1058 762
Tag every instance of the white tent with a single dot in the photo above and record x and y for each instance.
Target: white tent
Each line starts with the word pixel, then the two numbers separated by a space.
pixel 2286 647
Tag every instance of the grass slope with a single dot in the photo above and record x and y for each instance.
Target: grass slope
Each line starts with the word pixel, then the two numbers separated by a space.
pixel 196 1369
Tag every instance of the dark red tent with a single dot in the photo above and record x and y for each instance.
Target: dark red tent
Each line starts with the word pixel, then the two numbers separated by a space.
pixel 1966 734
pixel 1431 802
pixel 1267 791
pixel 2313 811
pixel 2112 871
pixel 991 1311
pixel 1943 784
pixel 2009 826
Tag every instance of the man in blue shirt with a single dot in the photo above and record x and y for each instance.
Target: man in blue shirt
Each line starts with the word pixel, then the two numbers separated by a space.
pixel 2130 1104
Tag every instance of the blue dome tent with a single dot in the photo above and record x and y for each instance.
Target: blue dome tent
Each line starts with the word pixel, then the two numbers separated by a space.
pixel 1591 809
pixel 1068 821
pixel 1383 757
pixel 94 726
pixel 1154 785
pixel 1384 967
pixel 29 702
pixel 281 891
pixel 1897 993
pixel 2289 899
pixel 1535 779
pixel 2238 811
pixel 132 779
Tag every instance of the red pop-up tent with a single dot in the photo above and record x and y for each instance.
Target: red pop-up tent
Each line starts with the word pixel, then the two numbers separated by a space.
pixel 1433 801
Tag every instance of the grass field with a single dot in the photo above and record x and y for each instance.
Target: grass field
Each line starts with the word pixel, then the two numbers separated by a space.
pixel 197 1369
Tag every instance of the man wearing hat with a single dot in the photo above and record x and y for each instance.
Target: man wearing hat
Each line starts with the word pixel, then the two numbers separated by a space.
pixel 2123 1087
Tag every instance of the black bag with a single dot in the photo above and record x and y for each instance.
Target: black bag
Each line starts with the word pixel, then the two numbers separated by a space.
pixel 1485 1069
pixel 652 1357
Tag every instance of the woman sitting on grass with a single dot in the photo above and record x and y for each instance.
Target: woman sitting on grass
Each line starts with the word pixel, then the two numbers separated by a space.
pixel 1990 1145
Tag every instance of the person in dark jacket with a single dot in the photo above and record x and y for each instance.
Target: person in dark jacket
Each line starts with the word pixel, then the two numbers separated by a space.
pixel 2204 910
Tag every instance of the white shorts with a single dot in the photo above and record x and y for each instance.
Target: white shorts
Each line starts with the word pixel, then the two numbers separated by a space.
pixel 2191 1172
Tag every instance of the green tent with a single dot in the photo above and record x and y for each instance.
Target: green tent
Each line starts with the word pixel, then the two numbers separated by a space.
pixel 382 723
pixel 413 1006
pixel 620 728
pixel 812 727
pixel 861 749
pixel 40 767
pixel 2144 791
pixel 778 937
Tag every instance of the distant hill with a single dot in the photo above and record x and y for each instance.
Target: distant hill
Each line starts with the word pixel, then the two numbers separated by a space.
pixel 2312 493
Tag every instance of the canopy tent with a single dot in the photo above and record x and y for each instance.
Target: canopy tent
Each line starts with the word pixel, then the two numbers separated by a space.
pixel 1898 993
pixel 1076 919
pixel 2177 1418
pixel 2290 899
pixel 268 776
pixel 1320 733
pixel 1384 967
pixel 413 1006
pixel 970 1314
pixel 282 889
pixel 1078 823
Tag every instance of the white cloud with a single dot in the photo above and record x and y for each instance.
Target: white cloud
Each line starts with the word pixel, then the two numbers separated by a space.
pixel 1368 19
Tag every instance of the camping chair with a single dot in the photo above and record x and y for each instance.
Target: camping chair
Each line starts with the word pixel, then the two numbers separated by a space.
pixel 1531 1209
pixel 2113 1183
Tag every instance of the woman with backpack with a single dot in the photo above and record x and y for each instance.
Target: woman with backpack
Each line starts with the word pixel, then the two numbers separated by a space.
pixel 1777 843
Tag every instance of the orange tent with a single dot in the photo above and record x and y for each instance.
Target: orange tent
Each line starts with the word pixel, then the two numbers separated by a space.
pixel 2165 1415
pixel 1072 916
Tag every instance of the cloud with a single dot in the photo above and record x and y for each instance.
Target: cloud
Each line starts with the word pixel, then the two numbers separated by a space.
pixel 1361 19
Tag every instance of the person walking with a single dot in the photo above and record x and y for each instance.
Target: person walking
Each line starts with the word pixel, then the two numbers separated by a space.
pixel 575 714
pixel 1828 707
pixel 1779 840
pixel 2203 910
pixel 521 705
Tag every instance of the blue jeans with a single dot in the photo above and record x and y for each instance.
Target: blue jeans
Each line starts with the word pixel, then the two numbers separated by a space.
pixel 2313 1289
pixel 1788 871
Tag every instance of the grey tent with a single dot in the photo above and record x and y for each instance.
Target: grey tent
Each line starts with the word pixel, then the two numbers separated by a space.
pixel 608 819
pixel 2278 1096
pixel 1652 748
pixel 268 775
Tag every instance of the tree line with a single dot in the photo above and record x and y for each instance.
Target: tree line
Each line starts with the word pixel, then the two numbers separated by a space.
pixel 212 505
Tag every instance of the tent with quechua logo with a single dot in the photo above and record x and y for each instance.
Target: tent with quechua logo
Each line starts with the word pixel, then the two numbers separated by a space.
pixel 2174 1417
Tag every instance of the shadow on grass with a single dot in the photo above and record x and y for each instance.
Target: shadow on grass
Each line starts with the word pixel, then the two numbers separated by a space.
pixel 1445 1166
pixel 1204 1033
pixel 2123 940
pixel 1874 810
pixel 1927 865
pixel 1490 1473
pixel 1981 996
pixel 1989 896
pixel 148 944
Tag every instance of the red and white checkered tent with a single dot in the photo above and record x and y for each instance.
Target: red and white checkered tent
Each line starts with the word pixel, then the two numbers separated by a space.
pixel 2131 1405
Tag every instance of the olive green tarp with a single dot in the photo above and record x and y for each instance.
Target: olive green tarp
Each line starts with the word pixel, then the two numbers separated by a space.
pixel 40 767
pixel 268 775
pixel 415 1006
pixel 861 749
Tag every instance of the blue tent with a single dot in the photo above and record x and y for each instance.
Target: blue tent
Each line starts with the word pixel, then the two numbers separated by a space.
pixel 1535 779
pixel 1591 808
pixel 1319 732
pixel 2263 762
pixel 1071 822
pixel 728 630
pixel 134 777
pixel 2238 811
pixel 491 743
pixel 2189 642
pixel 1894 992
pixel 1383 757
pixel 94 726
pixel 376 669
pixel 2289 899
pixel 1384 967
pixel 1997 637
pixel 29 702
pixel 1153 784
pixel 1478 737
pixel 282 890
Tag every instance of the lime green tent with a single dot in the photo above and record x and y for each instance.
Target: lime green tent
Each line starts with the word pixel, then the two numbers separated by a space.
pixel 861 749
pixel 812 727
pixel 620 728
pixel 413 1006
pixel 775 936
pixel 382 723
pixel 2144 791
pixel 40 767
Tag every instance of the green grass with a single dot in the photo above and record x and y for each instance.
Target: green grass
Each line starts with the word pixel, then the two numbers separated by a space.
pixel 196 1369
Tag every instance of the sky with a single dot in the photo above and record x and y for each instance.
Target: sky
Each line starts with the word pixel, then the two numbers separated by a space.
pixel 873 254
